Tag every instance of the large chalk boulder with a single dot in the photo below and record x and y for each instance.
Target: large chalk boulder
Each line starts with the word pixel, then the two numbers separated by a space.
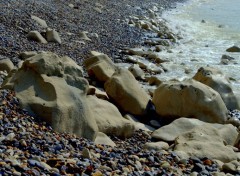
pixel 189 98
pixel 6 65
pixel 100 66
pixel 204 141
pixel 215 79
pixel 52 87
pixel 126 92
pixel 109 119
pixel 182 125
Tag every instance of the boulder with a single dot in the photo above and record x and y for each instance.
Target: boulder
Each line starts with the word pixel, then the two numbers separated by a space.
pixel 225 60
pixel 26 54
pixel 52 88
pixel 215 79
pixel 109 119
pixel 39 21
pixel 204 141
pixel 138 125
pixel 36 36
pixel 97 92
pixel 100 66
pixel 53 36
pixel 233 49
pixel 6 65
pixel 126 92
pixel 182 125
pixel 158 146
pixel 231 167
pixel 83 36
pixel 103 139
pixel 137 72
pixel 191 99
pixel 237 142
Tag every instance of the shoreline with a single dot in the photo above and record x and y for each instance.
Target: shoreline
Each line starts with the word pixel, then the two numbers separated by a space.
pixel 106 32
pixel 109 104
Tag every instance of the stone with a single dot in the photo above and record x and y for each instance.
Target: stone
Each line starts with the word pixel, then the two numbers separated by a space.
pixel 104 139
pixel 6 65
pixel 154 80
pixel 36 36
pixel 26 54
pixel 137 72
pixel 182 125
pixel 126 92
pixel 204 141
pixel 109 119
pixel 100 66
pixel 225 60
pixel 189 98
pixel 237 142
pixel 231 167
pixel 138 52
pixel 97 92
pixel 233 49
pixel 215 79
pixel 86 153
pixel 138 125
pixel 83 36
pixel 158 146
pixel 156 57
pixel 53 88
pixel 39 21
pixel 53 36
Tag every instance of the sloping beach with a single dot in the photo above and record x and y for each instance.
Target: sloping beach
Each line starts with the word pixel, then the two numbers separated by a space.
pixel 98 88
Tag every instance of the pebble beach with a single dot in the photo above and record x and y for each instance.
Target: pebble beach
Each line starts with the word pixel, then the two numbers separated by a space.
pixel 130 33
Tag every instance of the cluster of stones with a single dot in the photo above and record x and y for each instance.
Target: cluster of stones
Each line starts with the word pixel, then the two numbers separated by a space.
pixel 54 89
pixel 202 136
pixel 29 147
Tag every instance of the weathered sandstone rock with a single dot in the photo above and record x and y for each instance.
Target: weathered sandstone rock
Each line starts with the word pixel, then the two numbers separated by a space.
pixel 126 92
pixel 109 119
pixel 215 79
pixel 189 98
pixel 233 49
pixel 36 36
pixel 6 65
pixel 53 36
pixel 100 66
pixel 26 54
pixel 156 146
pixel 52 87
pixel 136 71
pixel 39 21
pixel 204 141
pixel 182 125
pixel 104 140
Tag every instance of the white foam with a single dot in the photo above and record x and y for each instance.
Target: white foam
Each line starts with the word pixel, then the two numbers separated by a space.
pixel 204 43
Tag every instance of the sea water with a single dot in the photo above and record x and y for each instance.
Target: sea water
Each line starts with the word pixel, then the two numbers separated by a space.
pixel 207 28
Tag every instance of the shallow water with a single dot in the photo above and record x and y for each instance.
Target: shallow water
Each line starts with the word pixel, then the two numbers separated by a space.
pixel 204 42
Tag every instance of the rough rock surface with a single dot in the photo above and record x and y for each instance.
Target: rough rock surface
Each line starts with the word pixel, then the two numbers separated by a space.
pixel 103 139
pixel 182 125
pixel 6 65
pixel 233 49
pixel 109 119
pixel 158 146
pixel 53 36
pixel 189 98
pixel 36 36
pixel 100 66
pixel 215 79
pixel 52 88
pixel 204 141
pixel 126 92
